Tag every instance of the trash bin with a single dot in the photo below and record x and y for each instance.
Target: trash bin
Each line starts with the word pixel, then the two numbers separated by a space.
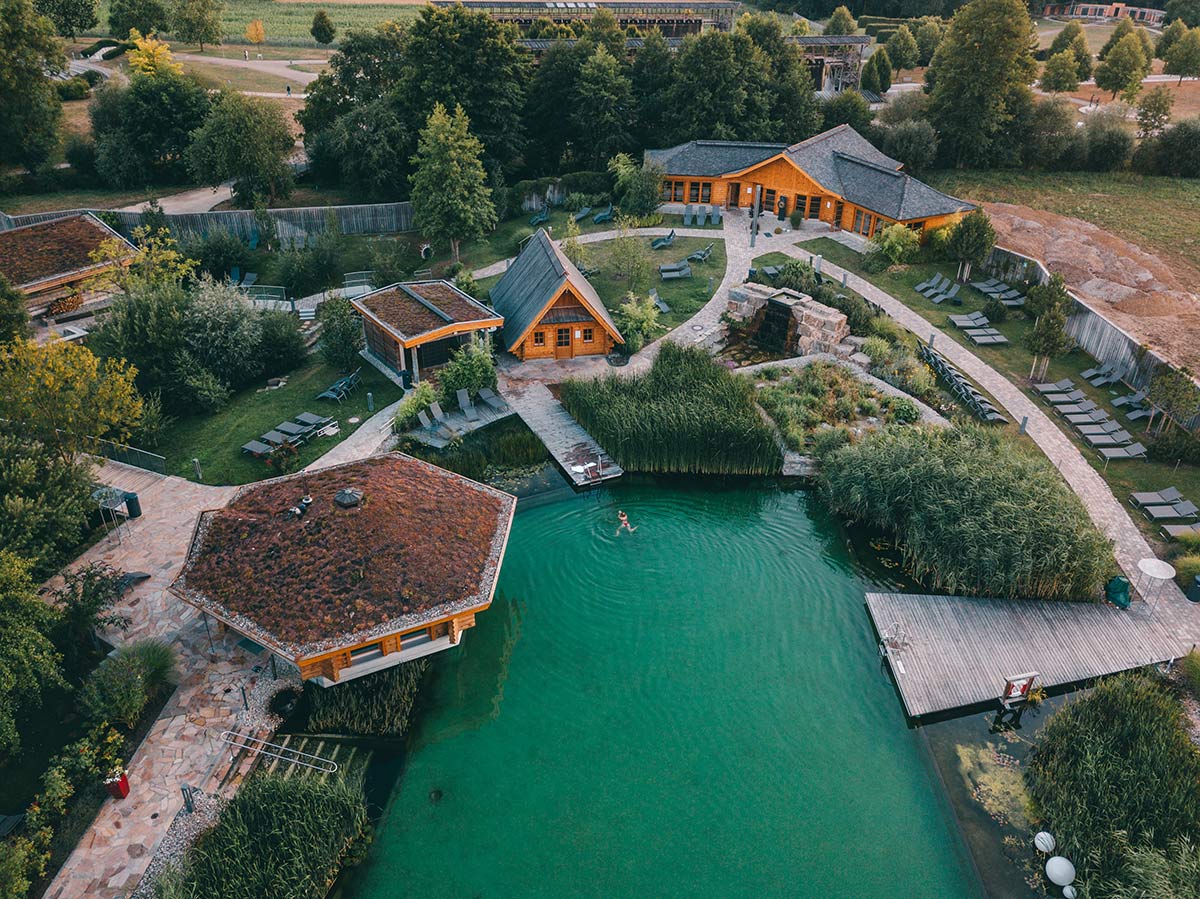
pixel 1193 592
pixel 406 379
pixel 133 505
pixel 1116 591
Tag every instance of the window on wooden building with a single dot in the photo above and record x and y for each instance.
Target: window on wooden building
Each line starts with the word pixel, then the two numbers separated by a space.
pixel 814 207
pixel 588 335
pixel 694 192
pixel 769 200
pixel 677 196
pixel 857 220
pixel 539 338
pixel 706 192
pixel 563 337
pixel 665 193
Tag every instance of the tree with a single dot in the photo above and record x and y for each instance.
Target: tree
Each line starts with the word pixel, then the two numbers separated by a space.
pixel 1170 35
pixel 1186 11
pixel 151 56
pixel 841 22
pixel 902 48
pixel 638 320
pixel 1050 133
pixel 651 76
pixel 631 253
pixel 247 139
pixel 980 76
pixel 928 36
pixel 14 315
pixel 450 197
pixel 1109 143
pixel 69 16
pixel 147 16
pixel 971 241
pixel 341 334
pixel 322 28
pixel 1175 394
pixel 877 73
pixel 370 146
pixel 44 501
pixel 1048 304
pixel 1072 39
pixel 571 247
pixel 721 89
pixel 603 103
pixel 1178 150
pixel 1124 29
pixel 29 105
pixel 85 604
pixel 156 261
pixel 552 94
pixel 1154 110
pixel 792 108
pixel 198 21
pixel 61 394
pixel 1061 74
pixel 914 143
pixel 1183 59
pixel 897 242
pixel 848 107
pixel 1123 68
pixel 368 65
pixel 29 664
pixel 637 186
pixel 255 33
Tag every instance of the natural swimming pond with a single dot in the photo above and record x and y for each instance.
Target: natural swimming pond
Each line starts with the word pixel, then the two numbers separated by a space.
pixel 690 710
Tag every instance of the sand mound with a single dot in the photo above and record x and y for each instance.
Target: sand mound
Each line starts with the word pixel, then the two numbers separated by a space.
pixel 1130 287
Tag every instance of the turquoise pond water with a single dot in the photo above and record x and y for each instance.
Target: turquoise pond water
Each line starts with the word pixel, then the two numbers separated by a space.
pixel 695 709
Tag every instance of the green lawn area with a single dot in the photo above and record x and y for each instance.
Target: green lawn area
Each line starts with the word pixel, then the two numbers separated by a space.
pixel 215 75
pixel 24 204
pixel 685 296
pixel 216 439
pixel 772 258
pixel 1015 362
pixel 234 51
pixel 1159 214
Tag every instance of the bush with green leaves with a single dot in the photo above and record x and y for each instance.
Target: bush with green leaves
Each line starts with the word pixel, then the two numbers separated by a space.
pixel 1116 767
pixel 1007 528
pixel 416 401
pixel 686 414
pixel 898 243
pixel 902 410
pixel 219 253
pixel 127 681
pixel 341 334
pixel 280 837
pixel 1187 568
pixel 637 318
pixel 471 368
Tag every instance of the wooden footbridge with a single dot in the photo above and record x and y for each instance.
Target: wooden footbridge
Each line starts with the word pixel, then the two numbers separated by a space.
pixel 949 652
pixel 581 458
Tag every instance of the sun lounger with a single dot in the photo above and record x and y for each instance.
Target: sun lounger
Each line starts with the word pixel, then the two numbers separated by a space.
pixel 674 266
pixel 256 448
pixel 294 430
pixel 701 255
pixel 985 336
pixel 464 403
pixel 676 274
pixel 1138 413
pixel 1183 509
pixel 925 285
pixel 1112 377
pixel 603 216
pixel 1094 372
pixel 540 217
pixel 433 427
pixel 235 276
pixel 1014 303
pixel 442 418
pixel 275 438
pixel 1134 451
pixel 1171 531
pixel 307 418
pixel 1130 399
pixel 1006 295
pixel 492 400
pixel 973 320
pixel 1095 417
pixel 940 283
pixel 1064 399
pixel 997 288
pixel 771 271
pixel 689 213
pixel 250 280
pixel 946 295
pixel 582 213
pixel 985 285
pixel 661 243
pixel 1166 496
pixel 718 214
pixel 1058 387
pixel 1107 427
pixel 1077 408
pixel 1116 438
pixel 659 303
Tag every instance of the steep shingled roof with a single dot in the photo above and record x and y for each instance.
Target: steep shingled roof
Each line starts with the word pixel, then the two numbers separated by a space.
pixel 532 281
pixel 890 193
pixel 711 158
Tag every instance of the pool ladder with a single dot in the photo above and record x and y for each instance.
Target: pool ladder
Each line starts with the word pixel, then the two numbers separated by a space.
pixel 892 642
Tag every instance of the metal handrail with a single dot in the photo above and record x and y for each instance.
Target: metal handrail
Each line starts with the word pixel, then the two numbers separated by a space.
pixel 238 741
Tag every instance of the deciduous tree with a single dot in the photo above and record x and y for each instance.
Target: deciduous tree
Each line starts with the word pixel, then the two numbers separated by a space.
pixel 877 73
pixel 151 56
pixel 841 22
pixel 371 146
pixel 29 106
pixel 928 35
pixel 198 21
pixel 914 143
pixel 341 334
pixel 14 315
pixel 1183 59
pixel 450 197
pixel 848 107
pixel 322 28
pixel 1125 27
pixel 1048 304
pixel 721 89
pixel 29 664
pixel 637 186
pixel 1123 68
pixel 902 49
pixel 255 32
pixel 1061 74
pixel 147 16
pixel 971 241
pixel 1073 39
pixel 248 140
pixel 367 66
pixel 1186 11
pixel 1170 35
pixel 651 76
pixel 69 16
pixel 1154 110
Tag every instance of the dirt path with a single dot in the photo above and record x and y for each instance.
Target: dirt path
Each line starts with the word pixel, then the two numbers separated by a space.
pixel 1153 300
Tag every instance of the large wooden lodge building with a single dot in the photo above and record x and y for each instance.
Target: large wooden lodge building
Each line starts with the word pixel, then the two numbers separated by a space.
pixel 837 177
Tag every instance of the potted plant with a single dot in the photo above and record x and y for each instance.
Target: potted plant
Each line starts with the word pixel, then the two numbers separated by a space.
pixel 117 783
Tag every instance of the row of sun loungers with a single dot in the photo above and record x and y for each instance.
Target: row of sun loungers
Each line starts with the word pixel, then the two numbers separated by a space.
pixel 673 271
pixel 998 290
pixel 342 387
pixel 441 424
pixel 939 288
pixel 697 217
pixel 1164 505
pixel 970 396
pixel 1095 426
pixel 296 432
pixel 978 329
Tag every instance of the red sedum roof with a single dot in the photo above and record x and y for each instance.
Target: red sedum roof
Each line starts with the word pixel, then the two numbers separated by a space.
pixel 423 544
pixel 53 249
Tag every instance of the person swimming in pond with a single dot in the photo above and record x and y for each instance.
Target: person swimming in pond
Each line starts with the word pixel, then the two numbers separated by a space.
pixel 624 523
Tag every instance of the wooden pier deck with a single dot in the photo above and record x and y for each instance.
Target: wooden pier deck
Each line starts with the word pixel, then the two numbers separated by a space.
pixel 582 459
pixel 958 651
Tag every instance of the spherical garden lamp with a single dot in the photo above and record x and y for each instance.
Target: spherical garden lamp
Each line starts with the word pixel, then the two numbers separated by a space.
pixel 1060 871
pixel 1044 842
pixel 1069 892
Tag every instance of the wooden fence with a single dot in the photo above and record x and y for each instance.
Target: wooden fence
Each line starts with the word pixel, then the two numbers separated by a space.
pixel 378 218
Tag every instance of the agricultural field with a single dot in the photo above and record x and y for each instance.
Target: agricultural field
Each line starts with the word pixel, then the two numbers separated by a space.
pixel 287 24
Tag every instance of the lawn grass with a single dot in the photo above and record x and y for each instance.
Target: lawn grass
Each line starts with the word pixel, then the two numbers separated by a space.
pixel 503 242
pixel 25 204
pixel 685 296
pixel 1014 361
pixel 216 439
pixel 217 76
pixel 772 258
pixel 1161 215
pixel 236 50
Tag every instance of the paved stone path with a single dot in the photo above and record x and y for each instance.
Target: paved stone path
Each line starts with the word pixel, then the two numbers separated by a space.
pixel 372 436
pixel 1106 510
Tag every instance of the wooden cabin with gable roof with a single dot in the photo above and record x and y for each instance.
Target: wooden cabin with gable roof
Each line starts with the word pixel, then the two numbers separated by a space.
pixel 550 310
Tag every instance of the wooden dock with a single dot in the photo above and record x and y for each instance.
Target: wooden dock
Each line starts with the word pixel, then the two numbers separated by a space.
pixel 581 458
pixel 954 652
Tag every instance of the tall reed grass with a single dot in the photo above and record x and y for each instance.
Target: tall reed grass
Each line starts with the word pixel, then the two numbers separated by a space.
pixel 687 414
pixel 375 705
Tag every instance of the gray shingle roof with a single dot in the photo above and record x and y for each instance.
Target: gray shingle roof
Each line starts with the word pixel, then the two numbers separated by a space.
pixel 533 279
pixel 710 158
pixel 891 193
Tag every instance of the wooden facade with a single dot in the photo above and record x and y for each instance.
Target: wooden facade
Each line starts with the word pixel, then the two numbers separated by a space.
pixel 566 329
pixel 330 665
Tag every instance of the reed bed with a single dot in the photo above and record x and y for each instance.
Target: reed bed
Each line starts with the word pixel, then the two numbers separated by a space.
pixel 974 512
pixel 686 415
pixel 375 705
pixel 283 838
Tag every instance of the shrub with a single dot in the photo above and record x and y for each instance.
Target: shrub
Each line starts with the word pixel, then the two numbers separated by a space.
pixel 687 414
pixel 198 387
pixel 80 153
pixel 899 243
pixel 76 88
pixel 115 691
pixel 218 253
pixel 796 219
pixel 375 705
pixel 902 409
pixel 281 346
pixel 419 399
pixel 1186 569
pixel 829 440
pixel 884 327
pixel 157 662
pixel 995 310
pixel 637 318
pixel 1116 760
pixel 1008 528
pixel 938 241
pixel 341 334
pixel 470 368
pixel 877 348
pixel 153 424
pixel 1189 670
pixel 1188 544
pixel 1176 445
